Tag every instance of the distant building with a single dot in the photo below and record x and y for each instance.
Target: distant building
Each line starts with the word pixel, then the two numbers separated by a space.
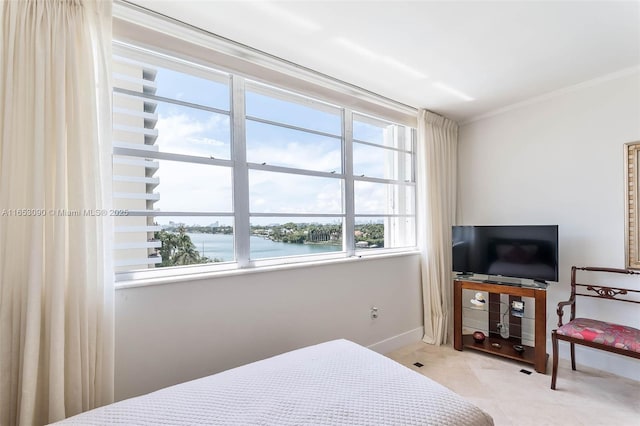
pixel 134 180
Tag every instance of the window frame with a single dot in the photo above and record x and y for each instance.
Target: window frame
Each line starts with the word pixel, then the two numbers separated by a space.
pixel 405 146
pixel 240 169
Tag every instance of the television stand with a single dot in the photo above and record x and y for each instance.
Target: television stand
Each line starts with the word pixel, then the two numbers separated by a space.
pixel 535 355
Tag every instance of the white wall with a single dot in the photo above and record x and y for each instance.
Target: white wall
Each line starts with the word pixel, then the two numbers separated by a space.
pixel 560 161
pixel 167 334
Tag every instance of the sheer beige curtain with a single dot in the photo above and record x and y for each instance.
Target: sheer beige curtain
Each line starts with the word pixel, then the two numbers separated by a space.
pixel 437 163
pixel 56 280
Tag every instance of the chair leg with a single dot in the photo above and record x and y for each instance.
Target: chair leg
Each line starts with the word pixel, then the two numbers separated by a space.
pixel 573 356
pixel 554 371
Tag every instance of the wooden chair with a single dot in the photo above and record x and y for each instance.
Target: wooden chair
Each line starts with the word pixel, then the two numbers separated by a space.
pixel 592 332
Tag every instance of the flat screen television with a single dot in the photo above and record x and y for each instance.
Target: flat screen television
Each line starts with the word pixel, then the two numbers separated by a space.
pixel 518 251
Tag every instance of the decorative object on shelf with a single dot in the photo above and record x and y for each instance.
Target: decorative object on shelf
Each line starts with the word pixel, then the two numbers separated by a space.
pixel 478 336
pixel 478 300
pixel 518 348
pixel 517 308
pixel 496 345
pixel 503 328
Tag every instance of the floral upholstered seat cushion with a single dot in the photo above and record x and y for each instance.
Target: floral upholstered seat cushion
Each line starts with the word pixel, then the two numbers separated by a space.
pixel 606 333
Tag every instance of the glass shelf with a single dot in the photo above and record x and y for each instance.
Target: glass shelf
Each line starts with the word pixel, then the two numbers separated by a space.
pixel 473 310
pixel 517 338
pixel 502 347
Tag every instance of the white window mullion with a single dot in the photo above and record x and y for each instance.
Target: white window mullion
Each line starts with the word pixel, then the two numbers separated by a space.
pixel 292 127
pixel 347 166
pixel 159 155
pixel 413 135
pixel 381 180
pixel 390 168
pixel 377 145
pixel 294 171
pixel 157 213
pixel 296 215
pixel 398 236
pixel 242 225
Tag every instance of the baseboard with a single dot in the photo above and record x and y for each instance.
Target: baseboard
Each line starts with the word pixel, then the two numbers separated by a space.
pixel 398 341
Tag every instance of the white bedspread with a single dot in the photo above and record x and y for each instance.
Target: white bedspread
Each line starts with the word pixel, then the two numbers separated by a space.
pixel 334 383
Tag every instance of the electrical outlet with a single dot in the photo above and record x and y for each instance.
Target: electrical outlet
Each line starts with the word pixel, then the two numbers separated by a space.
pixel 374 312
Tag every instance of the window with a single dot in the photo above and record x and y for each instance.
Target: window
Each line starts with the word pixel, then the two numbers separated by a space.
pixel 384 190
pixel 173 174
pixel 213 171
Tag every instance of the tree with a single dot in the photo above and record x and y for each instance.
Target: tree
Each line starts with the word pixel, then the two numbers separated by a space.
pixel 187 255
pixel 373 233
pixel 178 249
pixel 169 245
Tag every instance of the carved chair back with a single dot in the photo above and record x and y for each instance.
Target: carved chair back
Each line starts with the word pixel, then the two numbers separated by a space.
pixel 600 291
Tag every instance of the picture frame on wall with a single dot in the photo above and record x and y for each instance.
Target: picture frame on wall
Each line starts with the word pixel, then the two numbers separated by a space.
pixel 632 196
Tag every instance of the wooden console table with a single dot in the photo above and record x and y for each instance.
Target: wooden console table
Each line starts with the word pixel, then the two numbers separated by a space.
pixel 535 355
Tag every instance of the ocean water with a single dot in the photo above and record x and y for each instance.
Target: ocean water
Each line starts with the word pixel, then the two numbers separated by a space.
pixel 221 246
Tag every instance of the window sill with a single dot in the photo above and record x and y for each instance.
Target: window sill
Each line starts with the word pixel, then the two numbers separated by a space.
pixel 173 279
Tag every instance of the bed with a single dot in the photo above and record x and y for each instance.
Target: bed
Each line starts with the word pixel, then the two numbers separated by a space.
pixel 333 383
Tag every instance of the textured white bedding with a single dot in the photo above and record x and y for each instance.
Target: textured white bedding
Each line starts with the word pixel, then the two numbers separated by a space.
pixel 334 383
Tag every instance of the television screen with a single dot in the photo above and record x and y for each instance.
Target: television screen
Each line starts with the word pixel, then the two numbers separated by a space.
pixel 519 251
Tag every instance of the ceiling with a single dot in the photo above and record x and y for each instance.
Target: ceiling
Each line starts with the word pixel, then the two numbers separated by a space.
pixel 462 59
